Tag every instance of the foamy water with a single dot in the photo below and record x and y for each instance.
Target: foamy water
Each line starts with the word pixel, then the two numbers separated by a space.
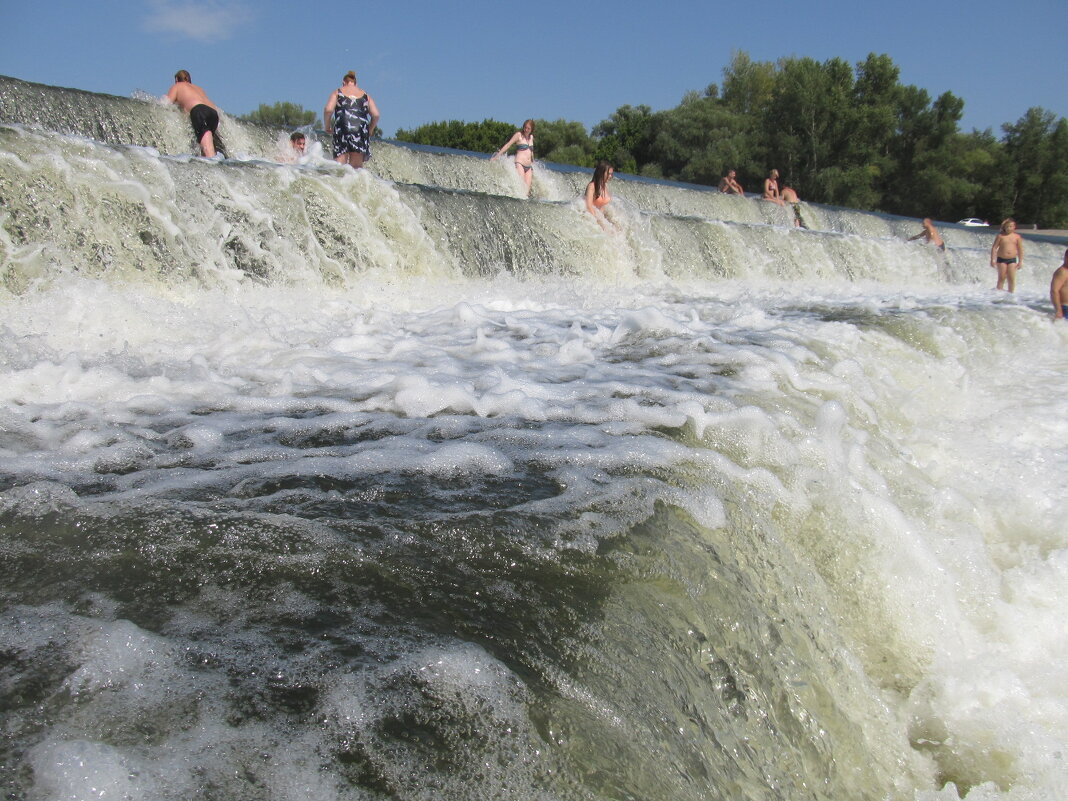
pixel 321 485
pixel 865 431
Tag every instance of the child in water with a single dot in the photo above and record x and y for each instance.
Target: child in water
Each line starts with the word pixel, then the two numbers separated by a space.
pixel 597 194
pixel 929 234
pixel 1007 254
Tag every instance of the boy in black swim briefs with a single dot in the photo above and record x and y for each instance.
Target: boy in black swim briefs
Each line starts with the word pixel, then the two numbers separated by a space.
pixel 1007 255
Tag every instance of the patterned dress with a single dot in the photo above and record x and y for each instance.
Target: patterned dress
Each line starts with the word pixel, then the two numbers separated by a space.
pixel 352 122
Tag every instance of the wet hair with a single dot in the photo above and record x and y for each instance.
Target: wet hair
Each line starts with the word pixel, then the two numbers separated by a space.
pixel 527 122
pixel 293 137
pixel 600 177
pixel 1005 224
pixel 182 76
pixel 349 76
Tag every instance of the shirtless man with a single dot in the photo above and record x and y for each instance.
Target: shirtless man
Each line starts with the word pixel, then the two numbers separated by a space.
pixel 1058 289
pixel 929 234
pixel 203 114
pixel 789 195
pixel 1007 254
pixel 729 185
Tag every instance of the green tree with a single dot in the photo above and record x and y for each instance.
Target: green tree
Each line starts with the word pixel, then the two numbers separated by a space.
pixel 700 139
pixel 748 86
pixel 874 118
pixel 811 125
pixel 625 138
pixel 1036 147
pixel 1054 213
pixel 981 159
pixel 282 114
pixel 563 142
pixel 925 176
pixel 480 137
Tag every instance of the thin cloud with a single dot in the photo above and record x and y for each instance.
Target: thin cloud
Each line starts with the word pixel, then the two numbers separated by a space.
pixel 202 21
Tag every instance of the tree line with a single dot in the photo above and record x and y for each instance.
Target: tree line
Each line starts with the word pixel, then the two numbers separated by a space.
pixel 843 135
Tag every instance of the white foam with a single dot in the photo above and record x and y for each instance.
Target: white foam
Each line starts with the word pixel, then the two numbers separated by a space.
pixel 922 436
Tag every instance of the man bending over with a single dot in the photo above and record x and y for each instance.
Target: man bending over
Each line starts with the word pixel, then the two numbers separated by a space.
pixel 203 115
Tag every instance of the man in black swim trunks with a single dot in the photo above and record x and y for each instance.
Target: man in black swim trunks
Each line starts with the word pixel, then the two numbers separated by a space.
pixel 203 115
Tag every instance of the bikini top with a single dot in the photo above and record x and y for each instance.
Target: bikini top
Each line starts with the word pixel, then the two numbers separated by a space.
pixel 602 201
pixel 523 147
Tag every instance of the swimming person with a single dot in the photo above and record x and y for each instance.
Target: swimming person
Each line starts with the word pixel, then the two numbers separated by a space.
pixel 292 151
pixel 1007 254
pixel 597 194
pixel 523 140
pixel 203 115
pixel 729 185
pixel 1058 289
pixel 929 234
pixel 351 115
pixel 771 188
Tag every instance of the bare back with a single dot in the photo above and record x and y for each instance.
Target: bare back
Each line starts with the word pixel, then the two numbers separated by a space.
pixel 187 95
pixel 1062 283
pixel 932 235
pixel 1058 289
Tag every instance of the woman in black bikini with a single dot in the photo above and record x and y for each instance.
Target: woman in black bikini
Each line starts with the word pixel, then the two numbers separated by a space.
pixel 524 152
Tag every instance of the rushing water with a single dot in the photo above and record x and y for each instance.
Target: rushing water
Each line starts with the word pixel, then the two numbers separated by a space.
pixel 317 484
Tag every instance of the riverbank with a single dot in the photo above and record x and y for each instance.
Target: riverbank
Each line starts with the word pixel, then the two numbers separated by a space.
pixel 1048 234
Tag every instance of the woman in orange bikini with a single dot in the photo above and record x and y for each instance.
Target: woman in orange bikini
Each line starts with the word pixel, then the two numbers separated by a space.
pixel 524 152
pixel 597 194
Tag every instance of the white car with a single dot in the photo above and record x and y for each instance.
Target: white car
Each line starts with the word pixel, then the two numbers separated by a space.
pixel 974 222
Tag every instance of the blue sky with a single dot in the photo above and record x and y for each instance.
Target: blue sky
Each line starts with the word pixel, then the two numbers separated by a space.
pixel 424 61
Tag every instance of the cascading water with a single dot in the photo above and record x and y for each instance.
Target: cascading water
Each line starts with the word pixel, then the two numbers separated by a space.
pixel 323 484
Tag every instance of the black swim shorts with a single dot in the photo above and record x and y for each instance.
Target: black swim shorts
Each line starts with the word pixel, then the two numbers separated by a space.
pixel 203 119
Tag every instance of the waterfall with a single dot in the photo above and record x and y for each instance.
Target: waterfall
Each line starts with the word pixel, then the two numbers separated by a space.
pixel 395 484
